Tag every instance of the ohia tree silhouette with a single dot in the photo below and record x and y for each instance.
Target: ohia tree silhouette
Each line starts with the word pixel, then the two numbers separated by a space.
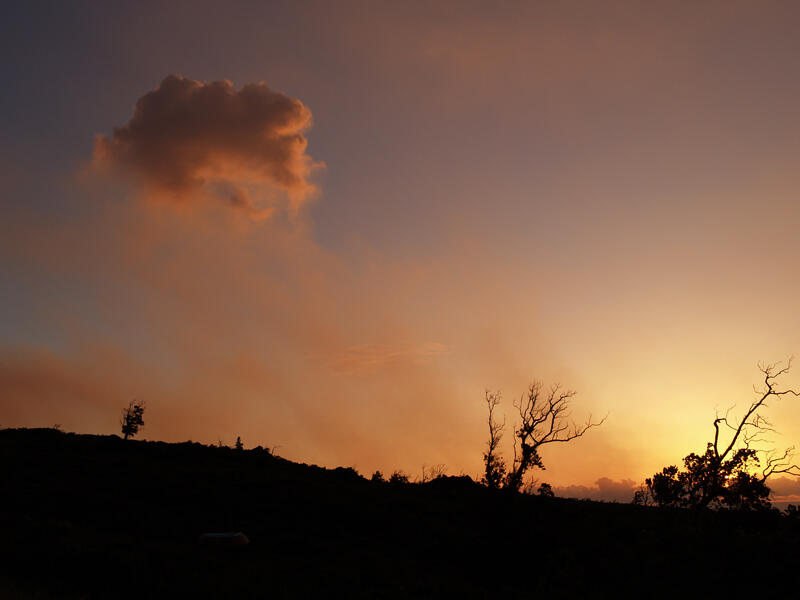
pixel 730 474
pixel 544 419
pixel 132 419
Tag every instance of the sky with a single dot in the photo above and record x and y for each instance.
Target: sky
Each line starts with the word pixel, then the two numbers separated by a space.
pixel 328 228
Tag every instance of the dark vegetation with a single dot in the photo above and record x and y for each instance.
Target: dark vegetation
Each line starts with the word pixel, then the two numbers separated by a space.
pixel 132 419
pixel 87 516
pixel 733 471
pixel 543 420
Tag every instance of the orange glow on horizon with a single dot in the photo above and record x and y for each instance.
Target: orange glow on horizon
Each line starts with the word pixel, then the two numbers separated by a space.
pixel 335 237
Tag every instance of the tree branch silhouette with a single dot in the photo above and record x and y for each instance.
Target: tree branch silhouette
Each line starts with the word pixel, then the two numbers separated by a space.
pixel 544 419
pixel 728 474
pixel 132 419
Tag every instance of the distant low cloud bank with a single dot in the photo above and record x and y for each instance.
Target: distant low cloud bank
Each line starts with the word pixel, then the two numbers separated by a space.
pixel 785 490
pixel 604 489
pixel 188 137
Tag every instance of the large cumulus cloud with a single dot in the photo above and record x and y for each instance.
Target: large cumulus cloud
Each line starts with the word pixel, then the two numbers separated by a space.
pixel 190 136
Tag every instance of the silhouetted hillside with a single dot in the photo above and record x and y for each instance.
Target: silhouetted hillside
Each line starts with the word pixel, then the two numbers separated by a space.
pixel 98 517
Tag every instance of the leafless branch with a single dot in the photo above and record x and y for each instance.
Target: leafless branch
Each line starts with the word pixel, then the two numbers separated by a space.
pixel 780 464
pixel 752 424
pixel 544 419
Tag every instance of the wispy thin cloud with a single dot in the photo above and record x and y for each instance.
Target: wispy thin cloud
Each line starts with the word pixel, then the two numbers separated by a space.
pixel 366 358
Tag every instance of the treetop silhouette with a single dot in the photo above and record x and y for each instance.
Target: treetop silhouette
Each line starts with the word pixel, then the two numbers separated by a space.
pixel 132 419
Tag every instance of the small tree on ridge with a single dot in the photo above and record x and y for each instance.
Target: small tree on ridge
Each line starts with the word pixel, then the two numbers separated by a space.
pixel 132 419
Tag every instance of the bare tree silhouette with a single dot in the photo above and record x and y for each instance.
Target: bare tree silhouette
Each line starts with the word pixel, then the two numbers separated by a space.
pixel 494 466
pixel 544 419
pixel 429 473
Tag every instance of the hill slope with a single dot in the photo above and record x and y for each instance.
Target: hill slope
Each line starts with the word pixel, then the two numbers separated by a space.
pixel 98 517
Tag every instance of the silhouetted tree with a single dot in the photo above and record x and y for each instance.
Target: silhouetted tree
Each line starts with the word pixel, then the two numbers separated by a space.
pixel 239 444
pixel 544 419
pixel 545 490
pixel 132 419
pixel 398 477
pixel 433 472
pixel 729 473
pixel 377 476
pixel 494 467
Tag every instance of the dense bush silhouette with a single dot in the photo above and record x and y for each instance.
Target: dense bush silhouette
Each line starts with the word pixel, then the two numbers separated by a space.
pixel 398 477
pixel 707 481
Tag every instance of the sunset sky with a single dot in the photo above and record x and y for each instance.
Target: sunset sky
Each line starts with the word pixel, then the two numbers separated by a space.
pixel 330 226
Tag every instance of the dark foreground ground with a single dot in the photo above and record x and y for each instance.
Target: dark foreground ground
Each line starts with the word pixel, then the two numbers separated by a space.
pixel 98 517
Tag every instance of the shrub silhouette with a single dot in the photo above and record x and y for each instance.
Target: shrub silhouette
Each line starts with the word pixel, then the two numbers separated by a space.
pixel 398 477
pixel 545 490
